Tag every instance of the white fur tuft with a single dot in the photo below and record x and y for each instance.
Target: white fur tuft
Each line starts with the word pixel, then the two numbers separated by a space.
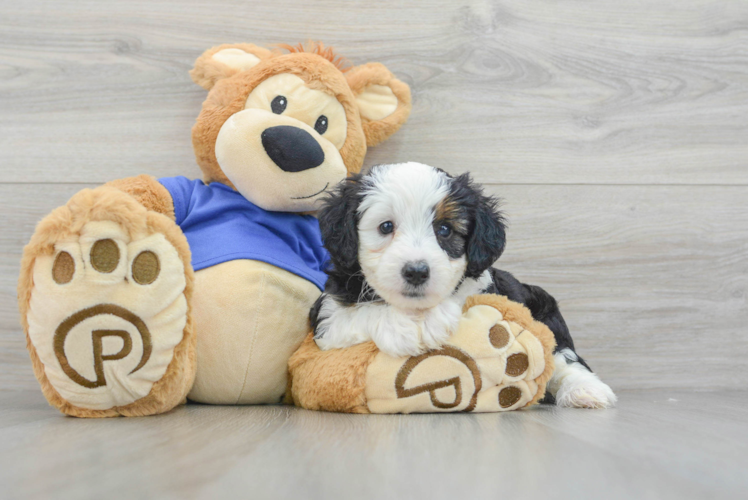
pixel 576 387
pixel 395 331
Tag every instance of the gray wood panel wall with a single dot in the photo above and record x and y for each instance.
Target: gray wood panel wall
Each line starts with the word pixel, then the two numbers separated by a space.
pixel 616 133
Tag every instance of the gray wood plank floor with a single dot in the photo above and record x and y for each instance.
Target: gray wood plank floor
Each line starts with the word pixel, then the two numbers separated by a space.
pixel 615 132
pixel 655 445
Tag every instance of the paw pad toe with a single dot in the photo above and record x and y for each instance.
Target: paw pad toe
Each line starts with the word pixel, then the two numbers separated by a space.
pixel 508 396
pixel 63 268
pixel 517 364
pixel 145 268
pixel 498 336
pixel 105 255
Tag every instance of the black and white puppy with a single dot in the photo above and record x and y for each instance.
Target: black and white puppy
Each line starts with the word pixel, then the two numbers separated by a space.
pixel 408 245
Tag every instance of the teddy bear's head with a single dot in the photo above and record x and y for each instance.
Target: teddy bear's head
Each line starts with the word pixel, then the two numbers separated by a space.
pixel 283 127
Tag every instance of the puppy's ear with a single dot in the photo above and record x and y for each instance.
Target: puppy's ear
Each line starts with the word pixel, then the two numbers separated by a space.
pixel 338 222
pixel 487 237
pixel 225 61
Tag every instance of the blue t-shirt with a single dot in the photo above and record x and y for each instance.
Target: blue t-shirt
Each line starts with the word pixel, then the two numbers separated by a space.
pixel 222 225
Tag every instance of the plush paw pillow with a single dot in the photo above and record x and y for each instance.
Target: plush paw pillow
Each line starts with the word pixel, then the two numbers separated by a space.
pixel 499 359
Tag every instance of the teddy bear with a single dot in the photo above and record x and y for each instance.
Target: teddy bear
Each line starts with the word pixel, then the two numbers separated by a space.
pixel 143 292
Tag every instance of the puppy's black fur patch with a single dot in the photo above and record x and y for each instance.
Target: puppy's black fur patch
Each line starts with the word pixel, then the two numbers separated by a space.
pixel 450 213
pixel 453 245
pixel 338 223
pixel 314 312
pixel 486 234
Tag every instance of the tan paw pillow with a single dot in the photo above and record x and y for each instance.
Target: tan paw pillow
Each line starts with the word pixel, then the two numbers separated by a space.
pixel 499 359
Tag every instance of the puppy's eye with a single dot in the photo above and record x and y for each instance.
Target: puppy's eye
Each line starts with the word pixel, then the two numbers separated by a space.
pixel 321 125
pixel 386 227
pixel 279 104
pixel 444 231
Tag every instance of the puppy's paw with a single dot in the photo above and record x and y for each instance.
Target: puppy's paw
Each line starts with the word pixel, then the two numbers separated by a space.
pixel 585 390
pixel 574 386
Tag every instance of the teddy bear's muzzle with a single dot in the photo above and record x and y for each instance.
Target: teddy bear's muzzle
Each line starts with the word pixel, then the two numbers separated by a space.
pixel 277 162
pixel 291 148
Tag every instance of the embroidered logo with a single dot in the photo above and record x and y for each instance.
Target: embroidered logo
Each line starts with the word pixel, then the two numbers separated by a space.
pixel 97 339
pixel 431 388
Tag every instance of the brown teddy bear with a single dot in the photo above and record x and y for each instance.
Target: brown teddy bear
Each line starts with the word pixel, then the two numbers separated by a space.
pixel 143 292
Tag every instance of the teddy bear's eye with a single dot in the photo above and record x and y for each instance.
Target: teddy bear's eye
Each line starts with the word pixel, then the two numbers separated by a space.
pixel 279 104
pixel 321 125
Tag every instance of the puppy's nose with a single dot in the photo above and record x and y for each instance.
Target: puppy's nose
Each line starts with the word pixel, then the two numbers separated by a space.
pixel 416 273
pixel 292 148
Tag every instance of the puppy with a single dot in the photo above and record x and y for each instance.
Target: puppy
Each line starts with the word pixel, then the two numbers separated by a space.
pixel 408 244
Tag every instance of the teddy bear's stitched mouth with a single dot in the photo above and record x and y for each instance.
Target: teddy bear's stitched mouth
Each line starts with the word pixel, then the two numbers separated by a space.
pixel 311 195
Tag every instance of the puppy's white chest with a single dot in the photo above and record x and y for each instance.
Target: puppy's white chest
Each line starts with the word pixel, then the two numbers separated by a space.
pixel 439 323
pixel 397 332
pixel 412 332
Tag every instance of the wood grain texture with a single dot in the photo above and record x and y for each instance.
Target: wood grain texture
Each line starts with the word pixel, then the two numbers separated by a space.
pixel 518 92
pixel 652 280
pixel 655 445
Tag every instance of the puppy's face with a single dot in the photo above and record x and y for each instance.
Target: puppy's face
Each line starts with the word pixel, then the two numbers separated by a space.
pixel 413 231
pixel 412 236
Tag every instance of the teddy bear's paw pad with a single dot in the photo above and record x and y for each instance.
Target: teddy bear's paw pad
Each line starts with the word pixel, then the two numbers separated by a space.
pixel 106 311
pixel 504 350
pixel 440 380
pixel 511 396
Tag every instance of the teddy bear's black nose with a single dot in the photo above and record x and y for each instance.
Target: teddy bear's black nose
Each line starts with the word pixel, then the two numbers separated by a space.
pixel 292 148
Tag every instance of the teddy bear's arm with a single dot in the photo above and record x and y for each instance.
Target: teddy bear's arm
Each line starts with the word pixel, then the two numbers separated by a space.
pixel 148 192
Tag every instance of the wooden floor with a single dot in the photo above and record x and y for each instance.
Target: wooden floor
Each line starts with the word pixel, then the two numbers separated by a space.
pixel 616 133
pixel 655 445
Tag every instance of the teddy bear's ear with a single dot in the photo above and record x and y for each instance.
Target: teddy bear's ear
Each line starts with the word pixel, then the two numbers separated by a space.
pixel 224 61
pixel 383 100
